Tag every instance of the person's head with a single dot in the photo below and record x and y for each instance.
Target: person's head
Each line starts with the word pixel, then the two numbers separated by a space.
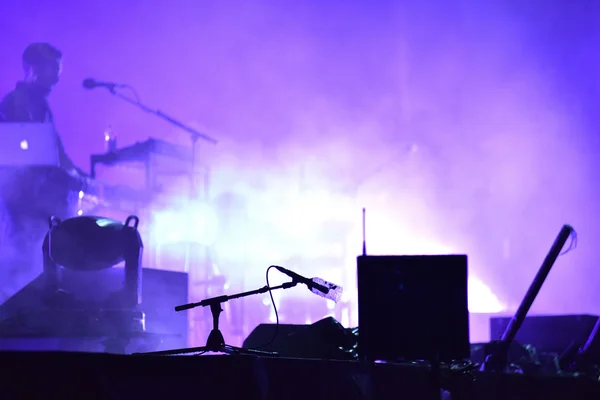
pixel 42 64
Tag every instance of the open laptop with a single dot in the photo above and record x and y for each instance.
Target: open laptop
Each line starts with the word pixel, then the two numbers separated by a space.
pixel 28 144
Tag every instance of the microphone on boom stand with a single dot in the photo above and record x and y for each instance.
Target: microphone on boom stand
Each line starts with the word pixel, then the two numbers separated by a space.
pixel 92 84
pixel 318 286
pixel 216 342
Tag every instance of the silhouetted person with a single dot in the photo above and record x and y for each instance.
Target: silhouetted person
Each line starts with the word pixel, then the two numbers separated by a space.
pixel 31 194
pixel 28 102
pixel 42 64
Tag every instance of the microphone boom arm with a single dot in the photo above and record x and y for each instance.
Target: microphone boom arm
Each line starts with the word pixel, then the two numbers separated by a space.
pixel 223 299
pixel 195 133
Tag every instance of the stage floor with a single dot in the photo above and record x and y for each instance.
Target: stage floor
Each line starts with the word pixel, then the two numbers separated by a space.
pixel 30 375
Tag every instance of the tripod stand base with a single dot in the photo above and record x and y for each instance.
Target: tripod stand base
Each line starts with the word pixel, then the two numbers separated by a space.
pixel 226 349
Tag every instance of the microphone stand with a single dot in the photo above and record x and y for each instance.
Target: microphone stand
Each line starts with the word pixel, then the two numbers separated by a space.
pixel 194 135
pixel 496 352
pixel 581 359
pixel 215 342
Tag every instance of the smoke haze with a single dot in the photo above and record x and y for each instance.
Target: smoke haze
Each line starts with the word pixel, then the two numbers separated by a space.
pixel 463 126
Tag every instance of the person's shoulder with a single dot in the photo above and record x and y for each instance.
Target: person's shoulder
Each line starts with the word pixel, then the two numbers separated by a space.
pixel 9 97
pixel 7 104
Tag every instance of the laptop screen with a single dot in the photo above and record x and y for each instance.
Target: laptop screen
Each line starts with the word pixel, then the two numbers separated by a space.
pixel 28 144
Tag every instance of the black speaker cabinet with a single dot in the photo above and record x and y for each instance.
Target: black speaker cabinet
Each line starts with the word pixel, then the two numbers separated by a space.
pixel 413 307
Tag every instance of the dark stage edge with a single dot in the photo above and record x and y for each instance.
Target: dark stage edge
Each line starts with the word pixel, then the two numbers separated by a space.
pixel 30 375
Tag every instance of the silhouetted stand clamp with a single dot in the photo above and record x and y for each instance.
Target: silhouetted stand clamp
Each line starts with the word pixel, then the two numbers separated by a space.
pixel 215 342
pixel 90 243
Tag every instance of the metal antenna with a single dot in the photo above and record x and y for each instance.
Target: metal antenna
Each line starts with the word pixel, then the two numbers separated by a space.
pixel 364 231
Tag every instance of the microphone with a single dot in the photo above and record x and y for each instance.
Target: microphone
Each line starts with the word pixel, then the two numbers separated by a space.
pixel 92 84
pixel 318 286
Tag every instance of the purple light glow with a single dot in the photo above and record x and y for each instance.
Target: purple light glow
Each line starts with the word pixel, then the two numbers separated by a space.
pixel 461 128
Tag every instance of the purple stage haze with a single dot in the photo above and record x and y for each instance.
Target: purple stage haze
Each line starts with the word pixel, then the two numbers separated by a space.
pixel 465 127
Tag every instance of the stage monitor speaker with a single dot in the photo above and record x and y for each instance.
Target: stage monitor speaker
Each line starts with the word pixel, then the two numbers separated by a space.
pixel 548 333
pixel 413 308
pixel 325 339
pixel 28 322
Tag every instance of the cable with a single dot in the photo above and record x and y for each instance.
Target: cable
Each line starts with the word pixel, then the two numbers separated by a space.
pixel 135 94
pixel 276 313
pixel 54 222
pixel 572 244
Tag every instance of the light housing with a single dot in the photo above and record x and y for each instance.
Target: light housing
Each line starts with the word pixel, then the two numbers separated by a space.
pixel 90 243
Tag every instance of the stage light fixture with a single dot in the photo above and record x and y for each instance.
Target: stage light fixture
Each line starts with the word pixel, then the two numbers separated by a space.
pixel 91 243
